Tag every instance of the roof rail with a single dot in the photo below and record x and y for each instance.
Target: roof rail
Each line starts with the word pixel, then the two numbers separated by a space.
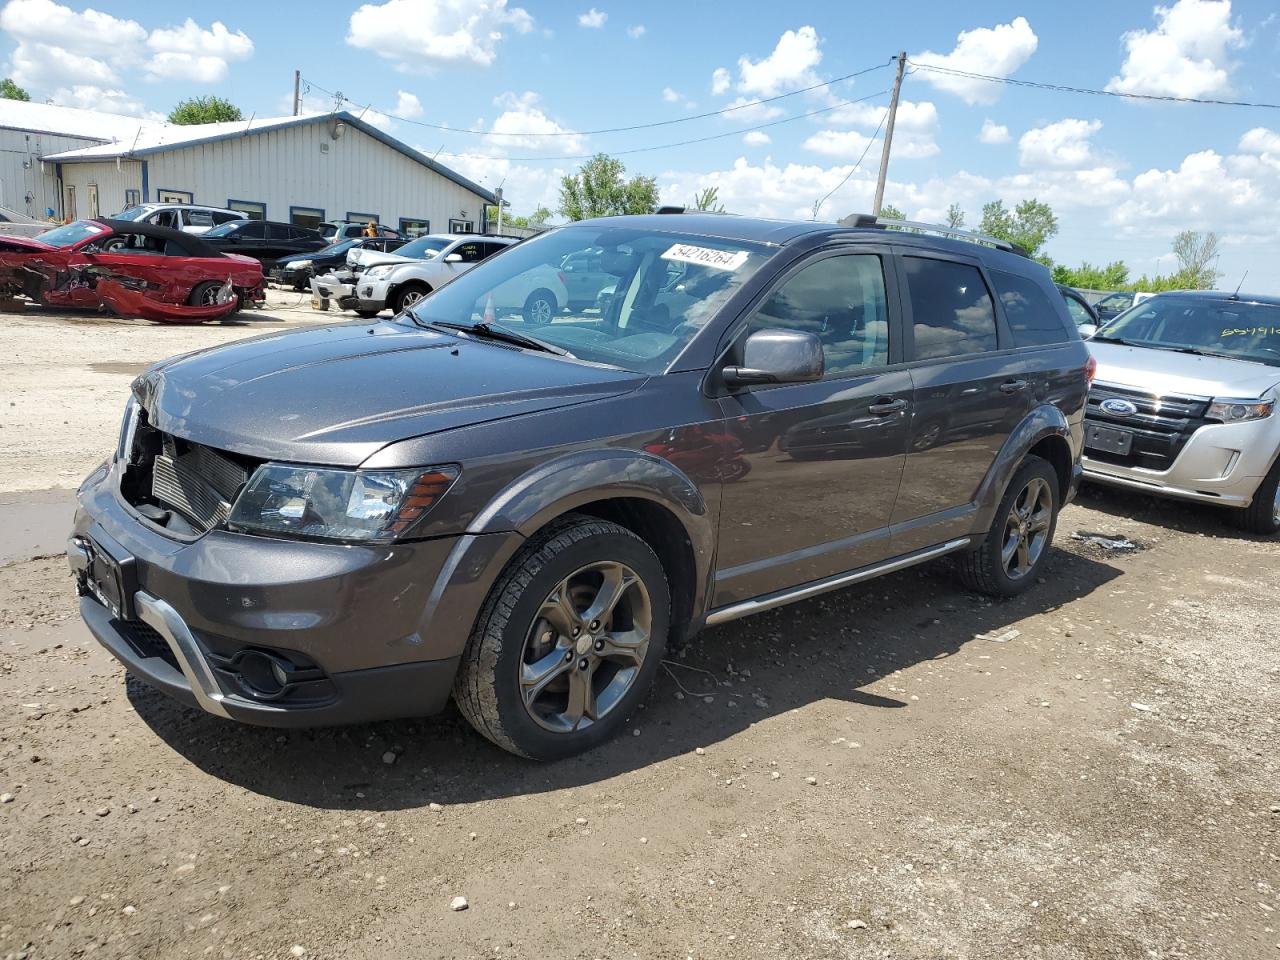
pixel 884 223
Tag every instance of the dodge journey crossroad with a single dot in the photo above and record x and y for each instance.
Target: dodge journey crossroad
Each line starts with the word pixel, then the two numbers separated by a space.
pixel 523 511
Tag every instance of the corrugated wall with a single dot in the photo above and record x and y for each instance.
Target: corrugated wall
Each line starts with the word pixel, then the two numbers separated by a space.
pixel 305 167
pixel 111 183
pixel 21 174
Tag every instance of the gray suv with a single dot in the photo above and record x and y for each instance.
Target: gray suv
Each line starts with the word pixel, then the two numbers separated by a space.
pixel 355 522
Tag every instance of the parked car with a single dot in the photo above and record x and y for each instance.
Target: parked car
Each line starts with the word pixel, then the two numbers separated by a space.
pixel 336 230
pixel 265 240
pixel 297 270
pixel 356 521
pixel 401 278
pixel 1080 310
pixel 1115 304
pixel 187 217
pixel 172 270
pixel 1185 403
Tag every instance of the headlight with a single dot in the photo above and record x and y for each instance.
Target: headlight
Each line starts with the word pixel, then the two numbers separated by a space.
pixel 379 271
pixel 300 264
pixel 128 429
pixel 1238 411
pixel 336 504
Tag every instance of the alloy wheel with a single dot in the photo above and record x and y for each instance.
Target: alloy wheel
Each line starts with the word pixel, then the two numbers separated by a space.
pixel 541 311
pixel 411 299
pixel 585 647
pixel 1026 530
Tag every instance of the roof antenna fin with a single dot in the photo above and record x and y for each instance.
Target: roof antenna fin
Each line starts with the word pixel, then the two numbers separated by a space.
pixel 1236 295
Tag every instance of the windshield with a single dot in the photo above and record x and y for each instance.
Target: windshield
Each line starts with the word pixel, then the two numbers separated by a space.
pixel 423 247
pixel 645 297
pixel 1209 325
pixel 133 213
pixel 226 229
pixel 71 234
pixel 1116 301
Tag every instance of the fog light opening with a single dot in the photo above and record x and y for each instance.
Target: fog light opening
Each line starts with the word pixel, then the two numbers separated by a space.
pixel 262 673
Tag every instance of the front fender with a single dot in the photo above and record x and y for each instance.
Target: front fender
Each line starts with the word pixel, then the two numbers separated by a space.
pixel 1044 421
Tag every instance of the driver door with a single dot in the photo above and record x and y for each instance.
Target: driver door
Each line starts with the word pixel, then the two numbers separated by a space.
pixel 130 255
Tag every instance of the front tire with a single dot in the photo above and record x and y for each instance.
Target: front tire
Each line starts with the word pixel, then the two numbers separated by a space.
pixel 408 296
pixel 540 307
pixel 568 641
pixel 1263 515
pixel 1015 548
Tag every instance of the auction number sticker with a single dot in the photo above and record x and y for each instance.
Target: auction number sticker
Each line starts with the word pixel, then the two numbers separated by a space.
pixel 707 256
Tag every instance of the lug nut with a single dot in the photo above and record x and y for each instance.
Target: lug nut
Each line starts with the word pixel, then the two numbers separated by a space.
pixel 582 664
pixel 576 631
pixel 595 625
pixel 568 655
pixel 599 644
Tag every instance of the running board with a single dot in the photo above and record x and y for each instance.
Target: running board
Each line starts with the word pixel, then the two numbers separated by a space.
pixel 812 589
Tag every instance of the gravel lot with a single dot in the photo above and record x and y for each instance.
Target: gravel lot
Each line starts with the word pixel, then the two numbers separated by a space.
pixel 900 770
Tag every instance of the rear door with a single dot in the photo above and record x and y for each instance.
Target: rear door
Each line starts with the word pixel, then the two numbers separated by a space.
pixel 810 471
pixel 971 389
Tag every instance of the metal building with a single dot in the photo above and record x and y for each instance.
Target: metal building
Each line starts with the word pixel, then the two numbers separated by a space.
pixel 303 170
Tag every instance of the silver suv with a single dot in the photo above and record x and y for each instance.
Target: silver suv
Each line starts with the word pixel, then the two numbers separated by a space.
pixel 1184 404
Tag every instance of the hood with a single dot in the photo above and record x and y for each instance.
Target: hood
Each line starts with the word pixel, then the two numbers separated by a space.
pixel 295 257
pixel 1163 371
pixel 12 243
pixel 371 258
pixel 335 395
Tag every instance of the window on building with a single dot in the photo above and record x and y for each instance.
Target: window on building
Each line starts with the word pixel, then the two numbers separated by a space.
pixel 462 226
pixel 951 309
pixel 362 218
pixel 412 227
pixel 132 198
pixel 310 217
pixel 251 209
pixel 165 195
pixel 1033 318
pixel 841 300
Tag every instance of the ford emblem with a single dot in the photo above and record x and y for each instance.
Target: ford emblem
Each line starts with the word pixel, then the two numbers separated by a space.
pixel 1118 408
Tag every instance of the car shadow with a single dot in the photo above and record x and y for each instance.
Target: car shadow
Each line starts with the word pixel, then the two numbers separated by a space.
pixel 752 669
pixel 1200 519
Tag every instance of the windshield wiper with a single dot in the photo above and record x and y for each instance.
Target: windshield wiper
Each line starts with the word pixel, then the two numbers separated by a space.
pixel 487 328
pixel 1120 340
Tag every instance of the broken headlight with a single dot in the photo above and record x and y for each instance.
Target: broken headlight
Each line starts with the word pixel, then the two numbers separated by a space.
pixel 336 504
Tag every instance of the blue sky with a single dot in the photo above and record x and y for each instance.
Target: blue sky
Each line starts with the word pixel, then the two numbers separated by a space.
pixel 1122 176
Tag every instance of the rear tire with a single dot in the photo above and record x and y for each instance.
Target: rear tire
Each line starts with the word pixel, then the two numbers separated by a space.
pixel 540 308
pixel 367 314
pixel 521 679
pixel 199 296
pixel 1263 515
pixel 1014 549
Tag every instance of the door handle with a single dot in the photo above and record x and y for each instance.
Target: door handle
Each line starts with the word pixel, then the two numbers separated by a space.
pixel 884 406
pixel 1013 386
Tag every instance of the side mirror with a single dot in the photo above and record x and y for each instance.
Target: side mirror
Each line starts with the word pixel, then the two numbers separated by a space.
pixel 453 258
pixel 777 356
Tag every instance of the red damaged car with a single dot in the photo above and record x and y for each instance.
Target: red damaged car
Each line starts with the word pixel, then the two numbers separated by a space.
pixel 133 269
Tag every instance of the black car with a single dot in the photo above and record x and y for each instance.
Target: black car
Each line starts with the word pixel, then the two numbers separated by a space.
pixel 264 240
pixel 1113 304
pixel 360 521
pixel 297 270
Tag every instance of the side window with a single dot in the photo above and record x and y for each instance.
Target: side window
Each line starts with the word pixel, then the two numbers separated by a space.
pixel 198 218
pixel 1079 315
pixel 166 218
pixel 470 252
pixel 1033 318
pixel 279 231
pixel 252 230
pixel 951 309
pixel 489 249
pixel 840 299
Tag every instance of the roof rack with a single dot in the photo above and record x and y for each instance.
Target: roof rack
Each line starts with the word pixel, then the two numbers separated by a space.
pixel 884 223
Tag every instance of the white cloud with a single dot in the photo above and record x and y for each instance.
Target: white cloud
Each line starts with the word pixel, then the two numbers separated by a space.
pixel 838 143
pixel 1186 55
pixel 995 51
pixel 748 110
pixel 521 117
pixel 993 132
pixel 593 19
pixel 526 187
pixel 408 106
pixel 422 34
pixel 56 45
pixel 1064 143
pixel 756 138
pixel 721 80
pixel 1202 193
pixel 915 129
pixel 790 65
pixel 637 31
pixel 89 97
pixel 190 52
pixel 671 96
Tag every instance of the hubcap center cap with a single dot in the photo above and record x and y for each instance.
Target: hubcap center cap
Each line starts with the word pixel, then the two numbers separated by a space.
pixel 584 644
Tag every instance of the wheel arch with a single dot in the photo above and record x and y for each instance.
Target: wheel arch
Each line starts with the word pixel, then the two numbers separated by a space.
pixel 1044 432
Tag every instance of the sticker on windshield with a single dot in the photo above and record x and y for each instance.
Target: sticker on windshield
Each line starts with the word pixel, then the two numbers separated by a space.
pixel 707 256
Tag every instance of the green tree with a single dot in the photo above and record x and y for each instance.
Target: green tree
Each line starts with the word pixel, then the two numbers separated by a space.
pixel 1030 225
pixel 1087 276
pixel 537 218
pixel 889 212
pixel 205 110
pixel 1197 255
pixel 11 91
pixel 599 189
pixel 709 200
pixel 955 217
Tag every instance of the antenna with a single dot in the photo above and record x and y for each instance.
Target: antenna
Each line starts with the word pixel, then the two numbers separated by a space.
pixel 1236 295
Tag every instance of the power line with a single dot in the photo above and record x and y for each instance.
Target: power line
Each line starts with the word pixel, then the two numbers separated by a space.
pixel 818 206
pixel 1065 88
pixel 678 143
pixel 340 97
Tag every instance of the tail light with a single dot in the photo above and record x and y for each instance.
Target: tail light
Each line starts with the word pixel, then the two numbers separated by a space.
pixel 1090 369
pixel 560 274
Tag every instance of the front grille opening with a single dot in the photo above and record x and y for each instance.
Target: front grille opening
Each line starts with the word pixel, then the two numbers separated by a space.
pixel 185 487
pixel 1161 426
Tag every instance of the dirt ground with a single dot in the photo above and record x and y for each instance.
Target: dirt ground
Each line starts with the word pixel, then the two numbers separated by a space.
pixel 899 770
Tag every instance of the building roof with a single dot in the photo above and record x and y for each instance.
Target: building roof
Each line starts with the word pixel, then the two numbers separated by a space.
pixel 71 122
pixel 161 137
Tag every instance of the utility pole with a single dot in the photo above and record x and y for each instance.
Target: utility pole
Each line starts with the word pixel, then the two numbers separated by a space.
pixel 888 135
pixel 498 196
pixel 297 92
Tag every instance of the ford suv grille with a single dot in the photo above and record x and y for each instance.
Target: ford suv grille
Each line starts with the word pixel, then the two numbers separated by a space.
pixel 1161 426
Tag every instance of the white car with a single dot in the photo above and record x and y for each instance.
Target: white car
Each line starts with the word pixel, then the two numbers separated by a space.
pixel 397 281
pixel 339 285
pixel 1184 403
pixel 187 217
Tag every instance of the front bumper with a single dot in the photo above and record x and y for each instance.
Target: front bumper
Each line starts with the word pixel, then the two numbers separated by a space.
pixel 290 277
pixel 1221 463
pixel 266 631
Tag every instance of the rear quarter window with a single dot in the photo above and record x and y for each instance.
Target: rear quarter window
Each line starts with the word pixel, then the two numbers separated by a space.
pixel 952 313
pixel 1033 318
